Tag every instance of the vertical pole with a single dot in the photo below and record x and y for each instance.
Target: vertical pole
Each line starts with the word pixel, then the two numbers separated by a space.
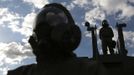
pixel 94 40
pixel 94 44
pixel 121 48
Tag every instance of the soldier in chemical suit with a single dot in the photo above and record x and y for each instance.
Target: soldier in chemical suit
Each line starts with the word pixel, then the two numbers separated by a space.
pixel 55 37
pixel 106 35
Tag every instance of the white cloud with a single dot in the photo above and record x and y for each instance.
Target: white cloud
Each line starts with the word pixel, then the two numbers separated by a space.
pixel 127 12
pixel 100 9
pixel 70 7
pixel 108 5
pixel 10 18
pixel 93 15
pixel 13 55
pixel 81 3
pixel 111 7
pixel 28 23
pixel 3 10
pixel 14 50
pixel 103 8
pixel 129 39
pixel 37 3
pixel 84 4
pixel 29 20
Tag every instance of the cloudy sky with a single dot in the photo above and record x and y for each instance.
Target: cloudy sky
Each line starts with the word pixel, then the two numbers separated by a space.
pixel 17 19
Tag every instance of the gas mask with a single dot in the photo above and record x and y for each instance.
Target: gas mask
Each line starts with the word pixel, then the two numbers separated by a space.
pixel 54 32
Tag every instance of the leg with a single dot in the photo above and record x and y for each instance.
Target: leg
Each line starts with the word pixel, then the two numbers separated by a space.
pixel 110 47
pixel 104 48
pixel 111 50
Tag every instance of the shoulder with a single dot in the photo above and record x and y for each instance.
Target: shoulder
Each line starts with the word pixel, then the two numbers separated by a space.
pixel 21 70
pixel 103 28
pixel 109 27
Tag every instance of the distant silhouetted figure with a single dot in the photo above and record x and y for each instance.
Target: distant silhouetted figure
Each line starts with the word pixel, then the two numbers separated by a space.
pixel 106 35
pixel 55 37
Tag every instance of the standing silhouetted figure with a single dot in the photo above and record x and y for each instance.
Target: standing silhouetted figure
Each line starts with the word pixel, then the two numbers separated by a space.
pixel 55 37
pixel 106 35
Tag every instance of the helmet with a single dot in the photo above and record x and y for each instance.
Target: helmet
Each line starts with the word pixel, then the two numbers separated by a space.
pixel 55 30
pixel 105 23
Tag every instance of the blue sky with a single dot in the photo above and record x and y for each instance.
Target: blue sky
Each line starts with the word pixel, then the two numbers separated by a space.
pixel 17 19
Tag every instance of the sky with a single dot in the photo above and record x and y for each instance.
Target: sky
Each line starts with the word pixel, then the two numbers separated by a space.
pixel 17 20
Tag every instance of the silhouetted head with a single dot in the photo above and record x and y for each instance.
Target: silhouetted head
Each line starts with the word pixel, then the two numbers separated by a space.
pixel 55 31
pixel 105 23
